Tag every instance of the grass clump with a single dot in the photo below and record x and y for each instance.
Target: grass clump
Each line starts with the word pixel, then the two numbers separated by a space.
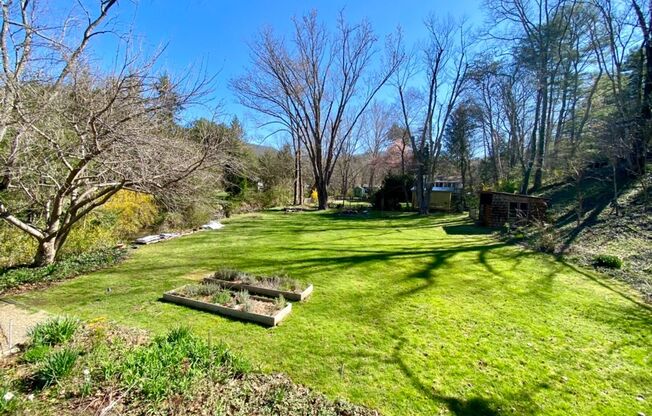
pixel 36 353
pixel 56 366
pixel 64 269
pixel 54 331
pixel 608 261
pixel 173 362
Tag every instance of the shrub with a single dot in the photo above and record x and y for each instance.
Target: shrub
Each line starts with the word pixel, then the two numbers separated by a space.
pixel 393 192
pixel 56 366
pixel 16 247
pixel 542 237
pixel 54 331
pixel 608 261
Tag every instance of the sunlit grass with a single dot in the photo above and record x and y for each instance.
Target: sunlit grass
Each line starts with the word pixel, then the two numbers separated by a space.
pixel 409 315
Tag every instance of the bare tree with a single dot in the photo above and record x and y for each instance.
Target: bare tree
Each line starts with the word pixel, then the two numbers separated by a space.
pixel 376 138
pixel 71 136
pixel 442 63
pixel 318 87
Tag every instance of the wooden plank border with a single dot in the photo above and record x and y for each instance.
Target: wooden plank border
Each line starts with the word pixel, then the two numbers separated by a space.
pixel 224 310
pixel 293 296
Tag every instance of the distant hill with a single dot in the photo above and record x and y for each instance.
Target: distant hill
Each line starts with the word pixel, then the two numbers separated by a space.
pixel 260 149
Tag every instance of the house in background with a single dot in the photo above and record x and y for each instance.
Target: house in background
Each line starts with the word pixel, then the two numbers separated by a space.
pixel 444 194
pixel 499 208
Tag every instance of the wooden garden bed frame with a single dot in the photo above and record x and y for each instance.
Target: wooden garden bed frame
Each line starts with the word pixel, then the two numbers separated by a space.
pixel 259 290
pixel 268 320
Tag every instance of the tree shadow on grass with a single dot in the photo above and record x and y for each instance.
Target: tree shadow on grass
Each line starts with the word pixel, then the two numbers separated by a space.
pixel 603 281
pixel 474 406
pixel 468 229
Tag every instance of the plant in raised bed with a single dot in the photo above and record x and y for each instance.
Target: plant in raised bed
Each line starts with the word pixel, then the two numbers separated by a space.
pixel 238 304
pixel 222 297
pixel 272 286
pixel 243 299
pixel 280 302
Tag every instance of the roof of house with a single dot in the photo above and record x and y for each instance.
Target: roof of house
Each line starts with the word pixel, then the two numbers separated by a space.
pixel 438 189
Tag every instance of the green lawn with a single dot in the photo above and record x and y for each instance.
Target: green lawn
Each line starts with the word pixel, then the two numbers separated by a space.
pixel 410 315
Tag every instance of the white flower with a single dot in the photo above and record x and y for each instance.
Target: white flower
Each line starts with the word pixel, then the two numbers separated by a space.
pixel 8 396
pixel 86 372
pixel 30 397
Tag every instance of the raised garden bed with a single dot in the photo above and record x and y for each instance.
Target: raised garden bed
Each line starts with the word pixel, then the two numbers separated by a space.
pixel 274 286
pixel 239 305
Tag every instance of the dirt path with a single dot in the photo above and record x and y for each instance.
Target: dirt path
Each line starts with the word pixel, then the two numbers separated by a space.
pixel 15 322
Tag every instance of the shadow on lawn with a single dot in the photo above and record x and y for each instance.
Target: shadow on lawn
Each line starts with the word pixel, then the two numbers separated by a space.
pixel 474 406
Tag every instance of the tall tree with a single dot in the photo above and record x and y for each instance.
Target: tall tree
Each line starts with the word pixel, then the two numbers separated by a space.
pixel 316 87
pixel 441 64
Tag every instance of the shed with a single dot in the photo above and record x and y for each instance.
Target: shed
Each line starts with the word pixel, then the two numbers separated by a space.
pixel 499 208
pixel 443 194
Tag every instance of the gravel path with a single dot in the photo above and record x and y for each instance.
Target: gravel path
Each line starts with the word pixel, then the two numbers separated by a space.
pixel 15 322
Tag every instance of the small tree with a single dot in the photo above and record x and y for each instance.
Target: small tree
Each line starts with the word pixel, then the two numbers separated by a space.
pixel 71 137
pixel 459 141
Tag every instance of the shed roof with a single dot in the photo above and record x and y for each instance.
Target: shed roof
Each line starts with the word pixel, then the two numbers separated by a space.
pixel 516 195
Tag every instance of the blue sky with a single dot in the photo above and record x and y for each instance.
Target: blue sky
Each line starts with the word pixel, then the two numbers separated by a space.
pixel 215 33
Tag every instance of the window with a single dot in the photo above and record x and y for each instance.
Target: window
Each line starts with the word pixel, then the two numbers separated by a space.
pixel 513 208
pixel 524 210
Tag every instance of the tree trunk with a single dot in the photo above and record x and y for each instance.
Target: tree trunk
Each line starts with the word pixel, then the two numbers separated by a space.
pixel 45 253
pixel 322 194
pixel 541 146
pixel 533 148
pixel 423 196
pixel 371 179
pixel 297 197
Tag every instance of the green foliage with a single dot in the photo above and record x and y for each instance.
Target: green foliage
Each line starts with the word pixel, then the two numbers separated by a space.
pixel 393 192
pixel 173 362
pixel 54 332
pixel 222 297
pixel 16 247
pixel 7 406
pixel 608 261
pixel 64 269
pixel 509 185
pixel 36 353
pixel 56 366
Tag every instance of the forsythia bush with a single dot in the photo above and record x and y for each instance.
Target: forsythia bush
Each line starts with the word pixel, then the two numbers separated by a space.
pixel 134 211
pixel 121 218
